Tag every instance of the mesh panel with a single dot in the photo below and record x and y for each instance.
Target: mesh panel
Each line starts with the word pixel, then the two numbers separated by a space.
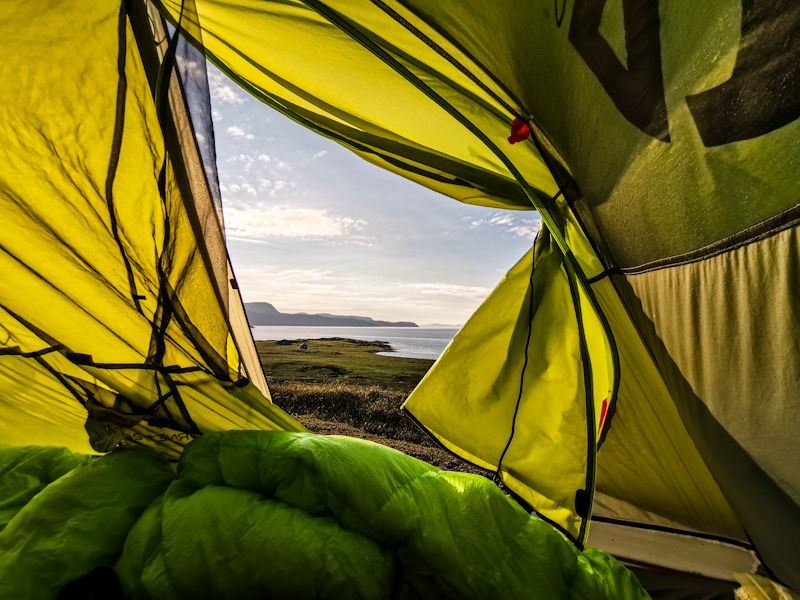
pixel 192 69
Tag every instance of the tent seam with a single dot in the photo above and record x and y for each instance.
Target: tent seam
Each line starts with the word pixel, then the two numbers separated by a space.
pixel 755 233
pixel 524 369
pixel 447 56
pixel 116 146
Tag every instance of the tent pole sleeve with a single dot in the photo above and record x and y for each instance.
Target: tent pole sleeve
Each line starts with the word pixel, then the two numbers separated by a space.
pixel 591 426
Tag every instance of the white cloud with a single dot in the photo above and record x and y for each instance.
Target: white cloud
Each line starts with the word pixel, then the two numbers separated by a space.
pixel 502 220
pixel 215 76
pixel 226 93
pixel 527 228
pixel 320 154
pixel 302 278
pixel 449 289
pixel 530 230
pixel 244 159
pixel 259 222
pixel 271 284
pixel 264 158
pixel 281 186
pixel 238 132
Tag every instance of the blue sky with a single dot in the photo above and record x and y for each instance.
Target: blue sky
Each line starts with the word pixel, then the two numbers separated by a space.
pixel 311 227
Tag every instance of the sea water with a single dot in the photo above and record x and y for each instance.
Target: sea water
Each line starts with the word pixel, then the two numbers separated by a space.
pixel 407 342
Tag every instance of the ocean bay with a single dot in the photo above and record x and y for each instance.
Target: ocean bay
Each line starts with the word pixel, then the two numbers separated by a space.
pixel 407 342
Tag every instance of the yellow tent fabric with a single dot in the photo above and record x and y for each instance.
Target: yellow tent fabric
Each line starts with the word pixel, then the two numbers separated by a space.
pixel 107 303
pixel 543 443
pixel 648 469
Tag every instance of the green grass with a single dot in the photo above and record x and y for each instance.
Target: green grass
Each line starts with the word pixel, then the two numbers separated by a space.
pixel 340 361
pixel 370 409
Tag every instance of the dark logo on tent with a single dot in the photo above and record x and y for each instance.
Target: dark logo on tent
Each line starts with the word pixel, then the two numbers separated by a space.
pixel 762 94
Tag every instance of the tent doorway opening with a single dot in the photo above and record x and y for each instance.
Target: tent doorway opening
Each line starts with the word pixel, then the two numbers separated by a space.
pixel 313 228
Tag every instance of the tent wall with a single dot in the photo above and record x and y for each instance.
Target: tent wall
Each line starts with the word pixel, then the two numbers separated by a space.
pixel 112 329
pixel 649 467
pixel 194 132
pixel 628 94
pixel 736 377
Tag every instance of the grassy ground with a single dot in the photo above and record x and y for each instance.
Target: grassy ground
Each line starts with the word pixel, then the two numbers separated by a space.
pixel 370 409
pixel 341 360
pixel 341 387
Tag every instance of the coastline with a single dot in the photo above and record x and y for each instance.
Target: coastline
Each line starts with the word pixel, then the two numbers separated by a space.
pixel 408 342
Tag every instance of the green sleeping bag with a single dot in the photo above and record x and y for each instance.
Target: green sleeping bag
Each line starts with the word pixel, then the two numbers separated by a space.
pixel 76 523
pixel 298 515
pixel 26 471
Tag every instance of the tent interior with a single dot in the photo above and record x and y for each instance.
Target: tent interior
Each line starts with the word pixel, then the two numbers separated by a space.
pixel 632 380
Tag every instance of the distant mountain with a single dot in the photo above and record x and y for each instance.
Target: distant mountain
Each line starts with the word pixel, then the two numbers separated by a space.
pixel 263 313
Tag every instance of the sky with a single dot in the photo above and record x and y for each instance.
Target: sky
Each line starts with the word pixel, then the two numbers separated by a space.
pixel 311 227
